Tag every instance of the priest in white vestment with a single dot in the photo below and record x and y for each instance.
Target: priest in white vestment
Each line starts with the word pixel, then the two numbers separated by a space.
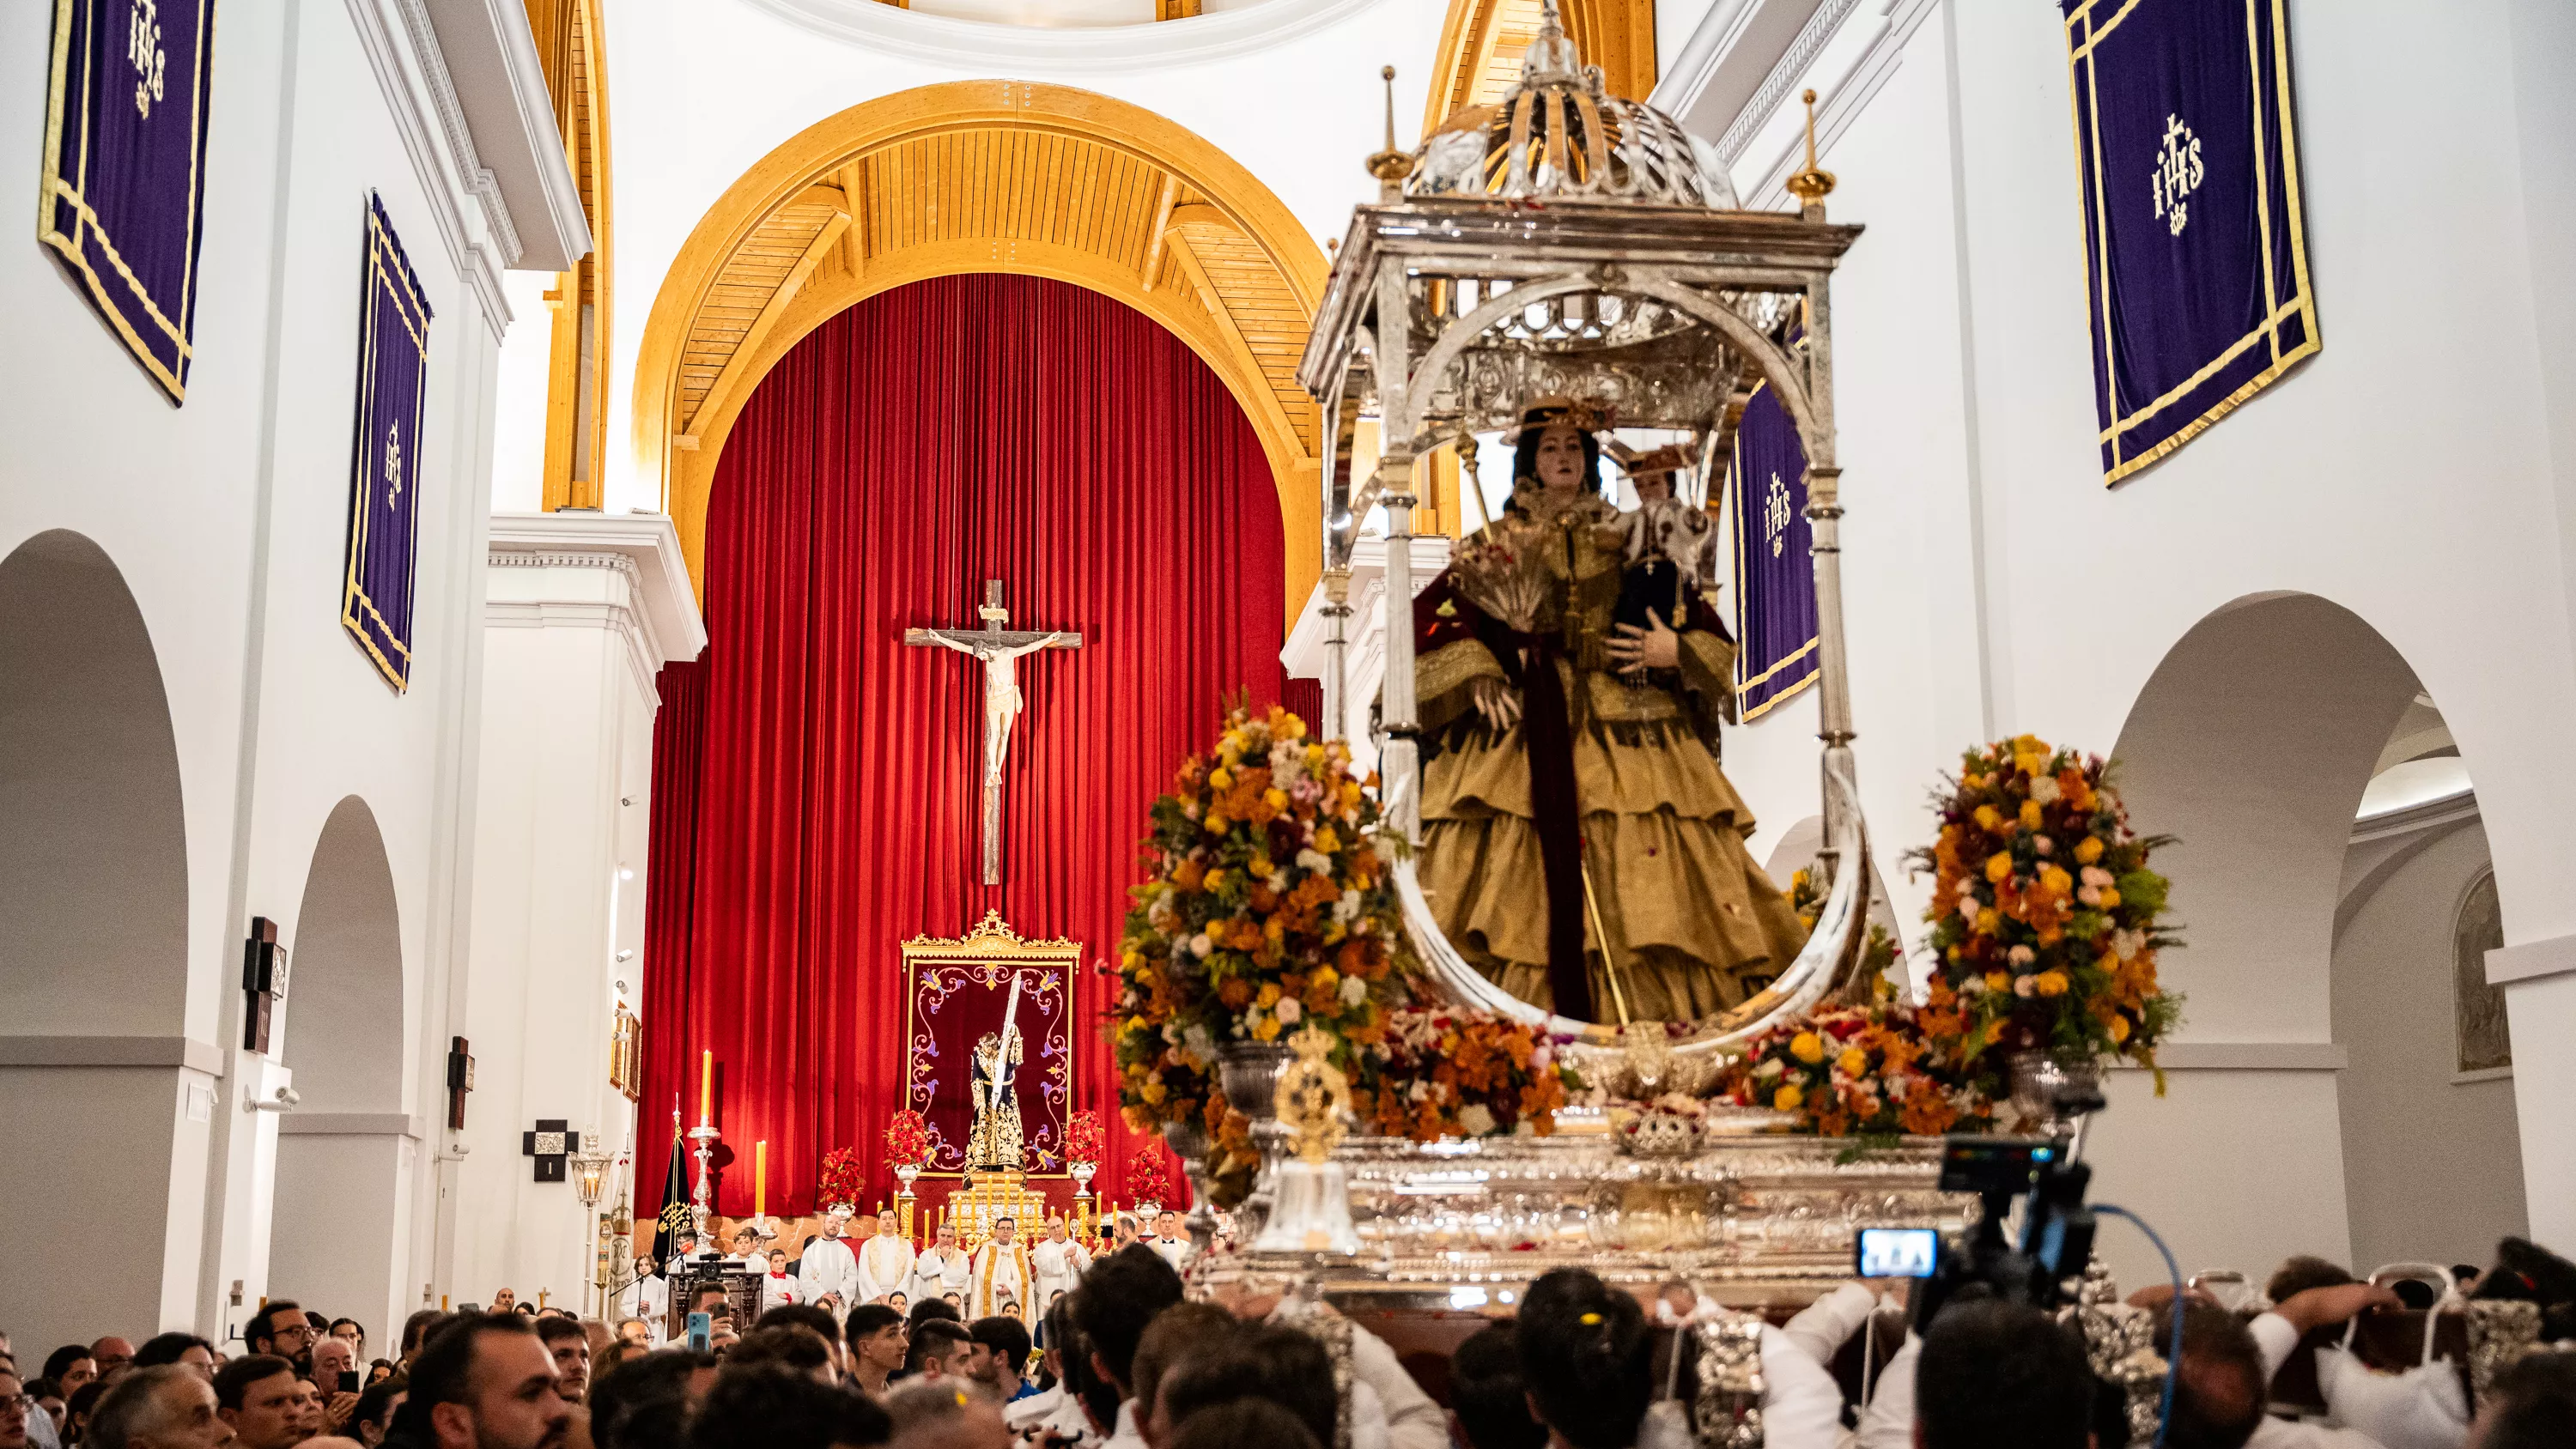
pixel 885 1261
pixel 828 1265
pixel 1060 1263
pixel 941 1268
pixel 1001 1278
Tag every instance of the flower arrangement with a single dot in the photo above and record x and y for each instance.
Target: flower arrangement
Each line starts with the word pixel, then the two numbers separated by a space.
pixel 2045 917
pixel 907 1137
pixel 1083 1137
pixel 1146 1177
pixel 842 1180
pixel 1871 1071
pixel 1506 582
pixel 1268 908
pixel 1438 1073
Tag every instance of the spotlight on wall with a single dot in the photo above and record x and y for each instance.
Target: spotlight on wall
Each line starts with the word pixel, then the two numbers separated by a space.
pixel 626 955
pixel 283 1100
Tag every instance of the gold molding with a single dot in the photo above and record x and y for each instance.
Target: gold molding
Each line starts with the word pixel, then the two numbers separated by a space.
pixel 576 66
pixel 1481 42
pixel 983 176
pixel 992 939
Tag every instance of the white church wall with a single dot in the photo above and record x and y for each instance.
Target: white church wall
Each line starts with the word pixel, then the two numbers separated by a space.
pixel 2447 1179
pixel 2348 481
pixel 706 91
pixel 583 610
pixel 525 372
pixel 228 519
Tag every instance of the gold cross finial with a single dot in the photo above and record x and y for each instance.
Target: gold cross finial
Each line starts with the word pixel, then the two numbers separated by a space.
pixel 1812 185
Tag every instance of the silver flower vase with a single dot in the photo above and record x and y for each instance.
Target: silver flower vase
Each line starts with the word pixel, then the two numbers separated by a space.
pixel 1189 1142
pixel 1249 1073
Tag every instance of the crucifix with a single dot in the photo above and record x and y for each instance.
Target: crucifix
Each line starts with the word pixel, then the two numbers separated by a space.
pixel 1000 650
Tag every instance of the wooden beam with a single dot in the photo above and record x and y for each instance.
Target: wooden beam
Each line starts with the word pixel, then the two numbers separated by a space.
pixel 1219 313
pixel 1162 222
pixel 854 242
pixel 743 351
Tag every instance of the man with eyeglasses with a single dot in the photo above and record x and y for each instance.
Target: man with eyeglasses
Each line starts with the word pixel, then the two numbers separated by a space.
pixel 279 1328
pixel 113 1356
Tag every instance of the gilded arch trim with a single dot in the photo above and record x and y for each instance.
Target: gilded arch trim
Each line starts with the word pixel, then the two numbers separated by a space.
pixel 984 176
pixel 1482 40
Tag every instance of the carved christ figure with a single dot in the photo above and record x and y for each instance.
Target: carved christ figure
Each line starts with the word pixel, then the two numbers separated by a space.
pixel 998 650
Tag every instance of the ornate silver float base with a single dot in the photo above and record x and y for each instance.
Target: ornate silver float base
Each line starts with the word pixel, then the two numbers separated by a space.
pixel 1753 1219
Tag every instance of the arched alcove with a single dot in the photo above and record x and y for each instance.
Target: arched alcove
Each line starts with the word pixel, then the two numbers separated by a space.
pixel 344 1154
pixel 2306 1025
pixel 93 978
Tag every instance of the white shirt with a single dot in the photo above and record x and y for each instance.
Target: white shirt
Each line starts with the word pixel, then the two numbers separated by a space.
pixel 828 1266
pixel 1802 1406
pixel 1175 1251
pixel 1413 1421
pixel 935 1273
pixel 1824 1326
pixel 1060 1266
pixel 2276 1338
pixel 1021 1413
pixel 1888 1422
pixel 1126 1435
pixel 777 1290
pixel 885 1266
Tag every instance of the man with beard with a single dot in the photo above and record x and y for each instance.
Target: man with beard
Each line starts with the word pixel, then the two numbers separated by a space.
pixel 281 1328
pixel 486 1383
pixel 263 1400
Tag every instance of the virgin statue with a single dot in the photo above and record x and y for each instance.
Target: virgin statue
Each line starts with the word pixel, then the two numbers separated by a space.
pixel 1580 845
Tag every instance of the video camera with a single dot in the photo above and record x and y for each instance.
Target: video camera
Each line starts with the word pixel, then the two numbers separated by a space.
pixel 2045 1173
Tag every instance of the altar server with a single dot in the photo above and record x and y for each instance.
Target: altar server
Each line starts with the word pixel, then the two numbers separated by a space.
pixel 942 1268
pixel 828 1265
pixel 999 1279
pixel 652 1297
pixel 1060 1263
pixel 885 1261
pixel 777 1290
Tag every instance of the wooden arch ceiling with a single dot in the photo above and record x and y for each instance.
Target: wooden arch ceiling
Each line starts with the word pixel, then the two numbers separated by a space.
pixel 985 176
pixel 570 50
pixel 1482 41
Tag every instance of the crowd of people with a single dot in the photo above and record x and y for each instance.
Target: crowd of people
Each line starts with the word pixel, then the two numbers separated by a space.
pixel 1125 1360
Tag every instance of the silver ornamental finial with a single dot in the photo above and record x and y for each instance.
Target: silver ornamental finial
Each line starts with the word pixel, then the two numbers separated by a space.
pixel 1550 54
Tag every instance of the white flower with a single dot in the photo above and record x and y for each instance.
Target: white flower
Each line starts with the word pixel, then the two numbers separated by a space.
pixel 2043 845
pixel 2090 895
pixel 1200 946
pixel 1172 1032
pixel 1972 986
pixel 1354 990
pixel 1769 1068
pixel 2020 955
pixel 1288 1011
pixel 2022 985
pixel 2095 875
pixel 1287 763
pixel 2043 788
pixel 2127 944
pixel 1420 1091
pixel 1316 861
pixel 1474 1120
pixel 1347 907
pixel 1199 1043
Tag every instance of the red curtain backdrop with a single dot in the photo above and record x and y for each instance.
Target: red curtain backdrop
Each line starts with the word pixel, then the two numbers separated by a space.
pixel 815 780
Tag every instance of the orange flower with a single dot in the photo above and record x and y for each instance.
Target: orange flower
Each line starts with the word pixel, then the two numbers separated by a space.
pixel 1235 992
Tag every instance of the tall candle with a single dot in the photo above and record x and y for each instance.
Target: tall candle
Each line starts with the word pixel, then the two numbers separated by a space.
pixel 760 1178
pixel 707 1089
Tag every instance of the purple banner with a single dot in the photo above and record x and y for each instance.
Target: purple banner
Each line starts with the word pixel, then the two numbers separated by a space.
pixel 1775 574
pixel 2196 252
pixel 125 150
pixel 384 476
pixel 953 1005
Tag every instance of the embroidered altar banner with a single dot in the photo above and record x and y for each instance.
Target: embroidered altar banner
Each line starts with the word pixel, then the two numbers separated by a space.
pixel 955 993
pixel 125 150
pixel 384 496
pixel 2196 250
pixel 1775 574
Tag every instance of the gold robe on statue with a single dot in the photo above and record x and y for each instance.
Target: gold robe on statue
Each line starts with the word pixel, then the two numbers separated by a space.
pixel 1694 924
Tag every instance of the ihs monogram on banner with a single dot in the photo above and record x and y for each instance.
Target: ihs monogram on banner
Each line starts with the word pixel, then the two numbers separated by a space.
pixel 143 51
pixel 2178 174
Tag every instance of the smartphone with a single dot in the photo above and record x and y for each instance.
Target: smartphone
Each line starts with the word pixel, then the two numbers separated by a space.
pixel 348 1381
pixel 1896 1252
pixel 701 1332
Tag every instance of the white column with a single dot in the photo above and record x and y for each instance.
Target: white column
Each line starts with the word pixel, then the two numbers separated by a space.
pixel 583 611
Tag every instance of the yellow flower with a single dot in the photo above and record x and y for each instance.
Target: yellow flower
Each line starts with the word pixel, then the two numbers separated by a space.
pixel 2049 983
pixel 1988 819
pixel 1215 878
pixel 1155 1092
pixel 1853 1061
pixel 1260 865
pixel 1275 798
pixel 2088 850
pixel 1221 778
pixel 1998 981
pixel 1216 824
pixel 2031 818
pixel 1326 842
pixel 1266 1029
pixel 1787 1099
pixel 1269 996
pixel 1132 961
pixel 2119 1028
pixel 2055 880
pixel 1807 1047
pixel 1998 867
pixel 2110 897
pixel 2029 745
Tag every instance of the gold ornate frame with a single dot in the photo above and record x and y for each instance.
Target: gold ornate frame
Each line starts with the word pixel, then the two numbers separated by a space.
pixel 993 943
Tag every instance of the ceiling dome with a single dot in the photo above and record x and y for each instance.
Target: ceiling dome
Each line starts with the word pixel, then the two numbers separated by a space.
pixel 1558 135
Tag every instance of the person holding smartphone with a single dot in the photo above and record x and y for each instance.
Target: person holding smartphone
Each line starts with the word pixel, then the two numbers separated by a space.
pixel 335 1377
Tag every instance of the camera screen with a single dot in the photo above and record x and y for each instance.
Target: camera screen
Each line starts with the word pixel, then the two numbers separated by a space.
pixel 1897 1252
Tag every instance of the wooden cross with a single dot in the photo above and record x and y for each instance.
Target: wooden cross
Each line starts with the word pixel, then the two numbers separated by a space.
pixel 999 649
